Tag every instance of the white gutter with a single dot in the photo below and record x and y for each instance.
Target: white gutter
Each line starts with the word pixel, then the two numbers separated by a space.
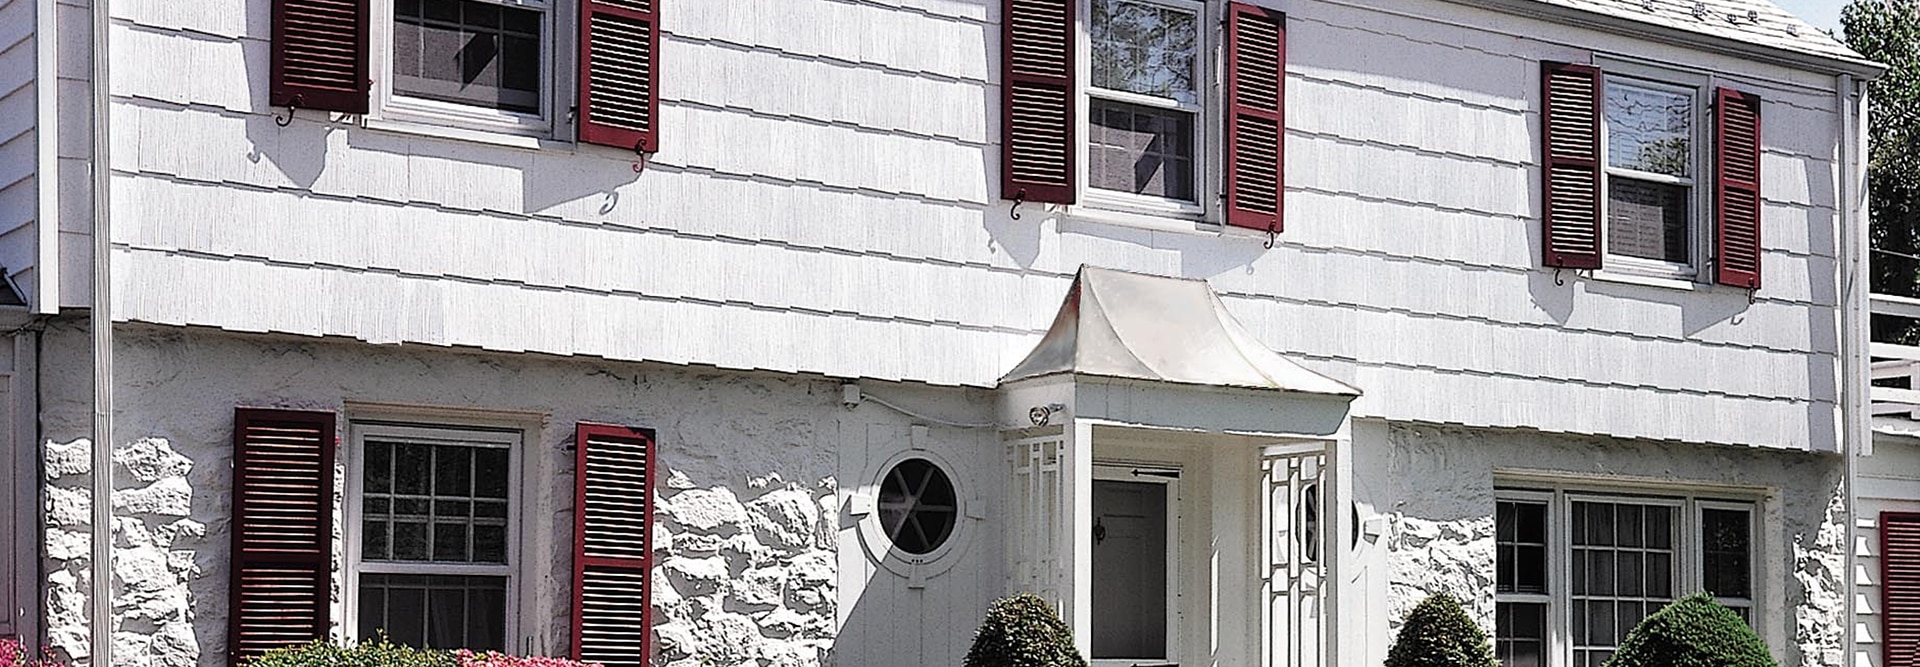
pixel 101 323
pixel 1855 338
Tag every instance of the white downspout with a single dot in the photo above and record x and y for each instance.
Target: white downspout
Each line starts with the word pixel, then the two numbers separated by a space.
pixel 1856 430
pixel 101 325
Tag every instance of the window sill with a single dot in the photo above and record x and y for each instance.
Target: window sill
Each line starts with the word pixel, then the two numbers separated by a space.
pixel 1151 221
pixel 1645 280
pixel 465 134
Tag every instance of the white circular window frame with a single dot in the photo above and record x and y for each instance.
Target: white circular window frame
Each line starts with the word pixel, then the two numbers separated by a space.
pixel 880 548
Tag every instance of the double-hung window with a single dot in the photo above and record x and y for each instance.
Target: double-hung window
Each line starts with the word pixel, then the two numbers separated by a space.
pixel 485 62
pixel 1168 109
pixel 1650 171
pixel 433 556
pixel 1144 102
pixel 1576 571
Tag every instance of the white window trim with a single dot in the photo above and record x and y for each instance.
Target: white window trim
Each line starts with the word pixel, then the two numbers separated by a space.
pixel 1688 501
pixel 519 571
pixel 1124 472
pixel 394 111
pixel 1700 220
pixel 1155 212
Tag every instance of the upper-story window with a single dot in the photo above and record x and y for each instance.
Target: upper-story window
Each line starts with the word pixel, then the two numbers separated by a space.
pixel 1650 134
pixel 1144 100
pixel 1166 109
pixel 482 63
pixel 1650 171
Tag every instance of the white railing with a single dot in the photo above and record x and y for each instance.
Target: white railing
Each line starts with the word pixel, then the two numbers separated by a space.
pixel 1895 362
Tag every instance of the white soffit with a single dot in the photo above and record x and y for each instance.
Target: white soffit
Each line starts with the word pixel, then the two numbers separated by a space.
pixel 1130 325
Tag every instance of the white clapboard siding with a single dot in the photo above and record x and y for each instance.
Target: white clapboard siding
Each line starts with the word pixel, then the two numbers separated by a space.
pixel 19 146
pixel 824 202
pixel 1888 481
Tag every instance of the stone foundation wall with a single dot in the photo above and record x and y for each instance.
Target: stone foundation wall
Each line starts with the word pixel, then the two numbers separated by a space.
pixel 1432 488
pixel 746 522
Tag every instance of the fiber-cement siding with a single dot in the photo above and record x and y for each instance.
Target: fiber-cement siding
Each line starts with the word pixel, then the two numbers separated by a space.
pixel 824 202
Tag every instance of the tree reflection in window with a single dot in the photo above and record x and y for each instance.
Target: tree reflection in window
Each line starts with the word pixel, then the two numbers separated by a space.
pixel 917 506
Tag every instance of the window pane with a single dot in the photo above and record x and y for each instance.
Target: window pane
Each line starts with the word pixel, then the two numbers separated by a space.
pixel 435 611
pixel 1144 48
pixel 1649 130
pixel 378 468
pixel 1142 150
pixel 1647 219
pixel 1520 634
pixel 412 468
pixel 452 471
pixel 470 52
pixel 1725 545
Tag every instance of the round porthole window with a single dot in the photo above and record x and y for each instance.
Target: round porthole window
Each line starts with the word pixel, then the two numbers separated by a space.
pixel 918 506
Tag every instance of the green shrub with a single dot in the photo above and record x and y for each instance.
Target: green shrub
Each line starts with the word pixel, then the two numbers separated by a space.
pixel 1023 631
pixel 374 653
pixel 1437 633
pixel 1694 631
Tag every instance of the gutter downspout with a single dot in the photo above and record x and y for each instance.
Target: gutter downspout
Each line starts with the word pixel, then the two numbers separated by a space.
pixel 1857 434
pixel 101 326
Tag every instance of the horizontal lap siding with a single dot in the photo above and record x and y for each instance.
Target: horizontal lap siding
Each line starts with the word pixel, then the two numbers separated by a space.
pixel 19 159
pixel 864 227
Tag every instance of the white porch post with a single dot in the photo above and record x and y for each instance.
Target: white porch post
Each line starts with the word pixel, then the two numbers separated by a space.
pixel 1336 514
pixel 1079 543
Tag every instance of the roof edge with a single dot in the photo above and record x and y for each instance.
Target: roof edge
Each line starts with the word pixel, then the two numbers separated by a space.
pixel 1859 67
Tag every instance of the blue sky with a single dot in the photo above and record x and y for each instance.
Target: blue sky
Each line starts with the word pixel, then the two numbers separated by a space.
pixel 1824 14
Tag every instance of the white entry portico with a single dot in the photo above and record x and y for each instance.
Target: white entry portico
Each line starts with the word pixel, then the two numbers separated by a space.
pixel 1177 490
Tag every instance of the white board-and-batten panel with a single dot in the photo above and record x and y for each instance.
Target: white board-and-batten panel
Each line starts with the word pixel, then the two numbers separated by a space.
pixel 826 201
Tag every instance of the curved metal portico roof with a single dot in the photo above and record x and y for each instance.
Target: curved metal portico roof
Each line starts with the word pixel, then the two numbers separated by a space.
pixel 1130 325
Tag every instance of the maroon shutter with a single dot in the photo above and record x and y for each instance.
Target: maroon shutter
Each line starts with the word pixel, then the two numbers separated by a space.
pixel 612 528
pixel 1037 99
pixel 319 55
pixel 282 529
pixel 1256 118
pixel 1570 166
pixel 619 101
pixel 1736 194
pixel 1900 588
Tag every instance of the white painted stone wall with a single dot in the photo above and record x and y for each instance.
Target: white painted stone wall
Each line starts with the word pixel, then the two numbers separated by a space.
pixel 747 532
pixel 1432 490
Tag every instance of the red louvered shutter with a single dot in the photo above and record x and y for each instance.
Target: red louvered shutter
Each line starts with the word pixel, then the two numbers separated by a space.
pixel 1256 116
pixel 282 529
pixel 319 55
pixel 1570 193
pixel 1037 100
pixel 1900 589
pixel 619 101
pixel 612 554
pixel 1736 194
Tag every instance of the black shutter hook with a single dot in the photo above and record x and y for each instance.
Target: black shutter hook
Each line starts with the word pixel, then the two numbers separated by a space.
pixel 1018 199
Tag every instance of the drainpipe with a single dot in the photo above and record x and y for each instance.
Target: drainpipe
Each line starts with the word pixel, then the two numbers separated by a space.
pixel 101 325
pixel 1856 424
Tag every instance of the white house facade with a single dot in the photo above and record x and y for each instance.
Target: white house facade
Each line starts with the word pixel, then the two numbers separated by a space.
pixel 794 332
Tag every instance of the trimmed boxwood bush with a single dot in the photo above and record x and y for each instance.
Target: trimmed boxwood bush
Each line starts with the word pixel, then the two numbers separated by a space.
pixel 384 653
pixel 1438 634
pixel 1694 631
pixel 1023 631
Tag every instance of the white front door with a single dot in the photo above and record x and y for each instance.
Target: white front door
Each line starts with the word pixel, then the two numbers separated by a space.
pixel 1133 595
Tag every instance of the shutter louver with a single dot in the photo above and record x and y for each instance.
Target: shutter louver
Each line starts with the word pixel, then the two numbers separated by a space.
pixel 319 55
pixel 1037 101
pixel 1736 195
pixel 1900 589
pixel 1256 120
pixel 282 561
pixel 1570 168
pixel 619 57
pixel 612 514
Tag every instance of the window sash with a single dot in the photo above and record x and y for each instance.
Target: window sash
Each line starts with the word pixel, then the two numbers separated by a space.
pixel 1697 164
pixel 1207 114
pixel 515 567
pixel 391 104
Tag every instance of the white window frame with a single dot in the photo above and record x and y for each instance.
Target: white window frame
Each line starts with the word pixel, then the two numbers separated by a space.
pixel 1124 472
pixel 1699 163
pixel 395 110
pixel 1207 117
pixel 1558 650
pixel 518 570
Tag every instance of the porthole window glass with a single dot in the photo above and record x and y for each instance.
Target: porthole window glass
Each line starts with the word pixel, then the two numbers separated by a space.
pixel 917 506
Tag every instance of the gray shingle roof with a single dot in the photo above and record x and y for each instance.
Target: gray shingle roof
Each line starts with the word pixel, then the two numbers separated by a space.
pixel 1757 22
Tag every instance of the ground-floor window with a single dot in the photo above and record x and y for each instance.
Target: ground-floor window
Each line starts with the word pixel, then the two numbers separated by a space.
pixel 1578 569
pixel 432 543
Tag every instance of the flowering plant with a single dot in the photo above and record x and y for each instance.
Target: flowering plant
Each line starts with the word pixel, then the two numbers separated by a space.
pixel 496 659
pixel 13 654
